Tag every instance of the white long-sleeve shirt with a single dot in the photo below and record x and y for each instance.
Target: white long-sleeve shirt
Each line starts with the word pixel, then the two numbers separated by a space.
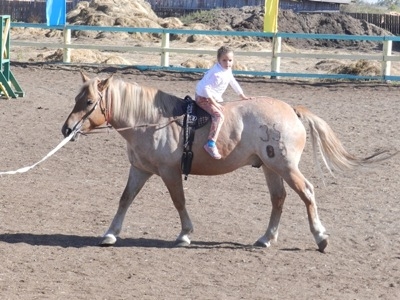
pixel 215 81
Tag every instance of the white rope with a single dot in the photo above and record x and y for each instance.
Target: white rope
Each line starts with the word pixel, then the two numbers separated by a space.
pixel 26 169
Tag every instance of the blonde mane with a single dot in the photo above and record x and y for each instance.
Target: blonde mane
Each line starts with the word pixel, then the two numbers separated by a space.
pixel 137 104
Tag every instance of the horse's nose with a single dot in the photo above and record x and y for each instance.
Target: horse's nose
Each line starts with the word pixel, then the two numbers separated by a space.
pixel 66 131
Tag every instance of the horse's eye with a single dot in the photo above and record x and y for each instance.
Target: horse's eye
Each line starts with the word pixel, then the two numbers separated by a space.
pixel 89 102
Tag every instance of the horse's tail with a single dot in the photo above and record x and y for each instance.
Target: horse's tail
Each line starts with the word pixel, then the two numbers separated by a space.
pixel 334 155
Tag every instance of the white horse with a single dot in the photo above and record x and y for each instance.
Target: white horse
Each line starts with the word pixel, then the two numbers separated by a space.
pixel 262 132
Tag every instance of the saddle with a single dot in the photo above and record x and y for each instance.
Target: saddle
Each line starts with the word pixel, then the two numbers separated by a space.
pixel 195 118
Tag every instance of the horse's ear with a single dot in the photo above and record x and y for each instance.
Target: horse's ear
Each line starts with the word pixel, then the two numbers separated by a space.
pixel 103 84
pixel 85 78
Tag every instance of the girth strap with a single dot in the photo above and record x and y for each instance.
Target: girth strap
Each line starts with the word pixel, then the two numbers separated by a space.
pixel 195 118
pixel 189 123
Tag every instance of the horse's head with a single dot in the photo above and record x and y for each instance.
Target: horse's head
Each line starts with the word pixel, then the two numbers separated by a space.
pixel 90 107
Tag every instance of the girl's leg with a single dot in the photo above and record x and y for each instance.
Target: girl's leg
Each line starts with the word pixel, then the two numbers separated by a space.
pixel 217 117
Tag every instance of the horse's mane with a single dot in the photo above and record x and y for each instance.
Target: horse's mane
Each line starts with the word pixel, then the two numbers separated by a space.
pixel 137 104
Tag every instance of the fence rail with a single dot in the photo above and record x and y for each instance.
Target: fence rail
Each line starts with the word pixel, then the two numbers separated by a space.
pixel 385 57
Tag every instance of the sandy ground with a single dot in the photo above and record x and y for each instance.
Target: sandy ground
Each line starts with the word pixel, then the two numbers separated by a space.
pixel 52 217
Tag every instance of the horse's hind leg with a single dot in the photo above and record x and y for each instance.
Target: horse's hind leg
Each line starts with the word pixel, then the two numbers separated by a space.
pixel 305 190
pixel 278 195
pixel 136 181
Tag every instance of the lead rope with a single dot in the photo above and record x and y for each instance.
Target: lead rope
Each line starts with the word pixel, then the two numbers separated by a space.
pixel 58 147
pixel 77 127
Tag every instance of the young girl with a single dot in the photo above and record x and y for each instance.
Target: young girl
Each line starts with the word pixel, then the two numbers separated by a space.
pixel 209 92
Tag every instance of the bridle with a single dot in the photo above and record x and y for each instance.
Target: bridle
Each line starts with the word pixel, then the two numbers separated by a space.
pixel 99 101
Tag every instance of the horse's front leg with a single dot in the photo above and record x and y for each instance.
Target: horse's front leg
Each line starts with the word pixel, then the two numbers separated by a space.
pixel 173 181
pixel 278 195
pixel 136 181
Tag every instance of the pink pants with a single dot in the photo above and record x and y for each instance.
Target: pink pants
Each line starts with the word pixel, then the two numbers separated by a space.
pixel 217 117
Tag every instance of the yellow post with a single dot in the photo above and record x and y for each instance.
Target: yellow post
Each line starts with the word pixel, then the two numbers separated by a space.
pixel 271 25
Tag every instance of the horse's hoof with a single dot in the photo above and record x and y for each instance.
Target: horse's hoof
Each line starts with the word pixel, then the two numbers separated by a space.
pixel 322 245
pixel 262 244
pixel 181 244
pixel 109 240
pixel 182 241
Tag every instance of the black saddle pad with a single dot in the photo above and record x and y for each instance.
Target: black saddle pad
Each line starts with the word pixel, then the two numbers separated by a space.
pixel 196 116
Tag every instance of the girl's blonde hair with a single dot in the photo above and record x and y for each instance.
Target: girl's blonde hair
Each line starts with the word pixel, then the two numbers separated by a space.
pixel 223 50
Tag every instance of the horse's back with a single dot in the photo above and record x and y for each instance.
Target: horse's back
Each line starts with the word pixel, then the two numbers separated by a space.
pixel 264 111
pixel 255 132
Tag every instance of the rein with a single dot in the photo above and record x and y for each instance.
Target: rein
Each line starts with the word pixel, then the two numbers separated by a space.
pixel 106 111
pixel 176 119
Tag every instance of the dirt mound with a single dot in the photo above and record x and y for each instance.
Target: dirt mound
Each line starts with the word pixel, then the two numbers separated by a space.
pixel 332 23
pixel 247 18
pixel 251 18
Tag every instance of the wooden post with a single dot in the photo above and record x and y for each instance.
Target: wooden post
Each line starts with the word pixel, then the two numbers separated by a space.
pixel 164 49
pixel 276 60
pixel 386 64
pixel 67 41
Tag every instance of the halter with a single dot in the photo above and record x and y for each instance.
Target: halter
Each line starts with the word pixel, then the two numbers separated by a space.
pixel 102 109
pixel 79 124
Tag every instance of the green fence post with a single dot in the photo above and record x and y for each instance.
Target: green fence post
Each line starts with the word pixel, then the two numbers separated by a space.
pixel 9 86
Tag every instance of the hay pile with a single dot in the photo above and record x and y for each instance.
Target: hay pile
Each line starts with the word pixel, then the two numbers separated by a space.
pixel 361 67
pixel 117 13
pixel 121 13
pixel 137 13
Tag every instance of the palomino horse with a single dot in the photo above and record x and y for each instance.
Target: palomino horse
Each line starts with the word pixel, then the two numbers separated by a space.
pixel 262 132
